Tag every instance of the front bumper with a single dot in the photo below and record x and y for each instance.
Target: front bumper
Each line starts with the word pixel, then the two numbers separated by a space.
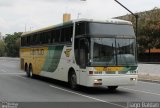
pixel 111 80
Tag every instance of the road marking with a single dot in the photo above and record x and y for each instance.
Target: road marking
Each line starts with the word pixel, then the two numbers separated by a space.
pixel 140 91
pixel 21 77
pixel 6 73
pixel 87 96
pixel 3 100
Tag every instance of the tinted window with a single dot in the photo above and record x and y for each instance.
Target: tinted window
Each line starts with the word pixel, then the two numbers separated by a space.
pixel 81 28
pixel 22 41
pixel 66 34
pixel 28 40
pixel 37 38
pixel 57 35
pixel 49 37
pixel 110 29
pixel 33 39
pixel 60 34
pixel 53 36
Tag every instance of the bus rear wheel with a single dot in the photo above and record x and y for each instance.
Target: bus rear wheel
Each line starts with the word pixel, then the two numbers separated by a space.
pixel 73 81
pixel 27 70
pixel 30 71
pixel 112 88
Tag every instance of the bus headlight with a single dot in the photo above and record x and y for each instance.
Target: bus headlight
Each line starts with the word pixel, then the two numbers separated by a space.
pixel 97 82
pixel 133 79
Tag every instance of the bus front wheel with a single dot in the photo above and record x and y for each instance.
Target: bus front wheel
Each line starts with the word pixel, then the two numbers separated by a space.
pixel 73 81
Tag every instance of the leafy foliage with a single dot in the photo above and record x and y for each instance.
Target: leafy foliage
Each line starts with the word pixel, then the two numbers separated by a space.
pixel 2 48
pixel 12 42
pixel 148 28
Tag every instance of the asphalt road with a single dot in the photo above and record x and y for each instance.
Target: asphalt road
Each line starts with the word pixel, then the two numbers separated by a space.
pixel 16 88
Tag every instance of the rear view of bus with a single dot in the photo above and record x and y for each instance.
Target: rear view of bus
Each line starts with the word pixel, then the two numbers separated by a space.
pixel 105 53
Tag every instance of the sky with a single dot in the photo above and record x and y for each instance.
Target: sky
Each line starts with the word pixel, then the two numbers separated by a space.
pixel 21 15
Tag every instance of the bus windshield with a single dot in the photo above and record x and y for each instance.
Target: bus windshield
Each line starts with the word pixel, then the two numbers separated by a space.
pixel 112 52
pixel 100 29
pixel 111 44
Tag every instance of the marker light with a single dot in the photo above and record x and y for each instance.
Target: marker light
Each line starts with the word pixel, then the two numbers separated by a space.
pixel 133 79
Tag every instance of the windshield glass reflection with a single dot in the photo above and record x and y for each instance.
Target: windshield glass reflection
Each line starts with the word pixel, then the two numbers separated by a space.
pixel 112 51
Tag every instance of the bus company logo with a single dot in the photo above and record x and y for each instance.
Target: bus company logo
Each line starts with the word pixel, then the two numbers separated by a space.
pixel 37 51
pixel 67 52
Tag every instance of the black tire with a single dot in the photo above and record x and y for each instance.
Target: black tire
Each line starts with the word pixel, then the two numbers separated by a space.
pixel 73 81
pixel 30 71
pixel 27 71
pixel 112 88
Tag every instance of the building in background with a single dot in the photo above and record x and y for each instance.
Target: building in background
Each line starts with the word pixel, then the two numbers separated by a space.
pixel 66 17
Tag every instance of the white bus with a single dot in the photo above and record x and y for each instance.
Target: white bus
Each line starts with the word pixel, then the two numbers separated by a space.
pixel 82 52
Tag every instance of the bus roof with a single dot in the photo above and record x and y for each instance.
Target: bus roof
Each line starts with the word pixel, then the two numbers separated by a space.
pixel 111 21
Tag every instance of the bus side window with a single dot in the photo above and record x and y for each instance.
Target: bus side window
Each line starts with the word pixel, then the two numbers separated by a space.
pixel 37 41
pixel 49 37
pixel 45 35
pixel 41 38
pixel 28 40
pixel 34 39
pixel 66 34
pixel 25 41
pixel 69 33
pixel 52 36
pixel 57 35
pixel 31 38
pixel 63 35
pixel 22 41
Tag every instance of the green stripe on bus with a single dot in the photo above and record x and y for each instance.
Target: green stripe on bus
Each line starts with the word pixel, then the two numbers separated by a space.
pixel 52 58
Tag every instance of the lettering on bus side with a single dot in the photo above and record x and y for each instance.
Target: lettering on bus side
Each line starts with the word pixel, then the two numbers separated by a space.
pixel 37 51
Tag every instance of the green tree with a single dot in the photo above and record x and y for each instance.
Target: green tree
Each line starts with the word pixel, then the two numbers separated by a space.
pixel 13 44
pixel 148 28
pixel 2 48
pixel 149 33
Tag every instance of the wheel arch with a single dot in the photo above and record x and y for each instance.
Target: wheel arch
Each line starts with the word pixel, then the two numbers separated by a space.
pixel 26 66
pixel 70 71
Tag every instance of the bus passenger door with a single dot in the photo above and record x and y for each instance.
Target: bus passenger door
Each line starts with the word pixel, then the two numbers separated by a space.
pixel 83 53
pixel 83 60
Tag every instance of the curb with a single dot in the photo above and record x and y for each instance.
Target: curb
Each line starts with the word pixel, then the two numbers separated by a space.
pixel 151 81
pixel 146 77
pixel 9 58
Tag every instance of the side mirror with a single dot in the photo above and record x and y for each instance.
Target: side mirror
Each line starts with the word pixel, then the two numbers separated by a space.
pixel 71 39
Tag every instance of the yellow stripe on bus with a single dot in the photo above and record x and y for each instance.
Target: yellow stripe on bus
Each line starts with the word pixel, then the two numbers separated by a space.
pixel 112 69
